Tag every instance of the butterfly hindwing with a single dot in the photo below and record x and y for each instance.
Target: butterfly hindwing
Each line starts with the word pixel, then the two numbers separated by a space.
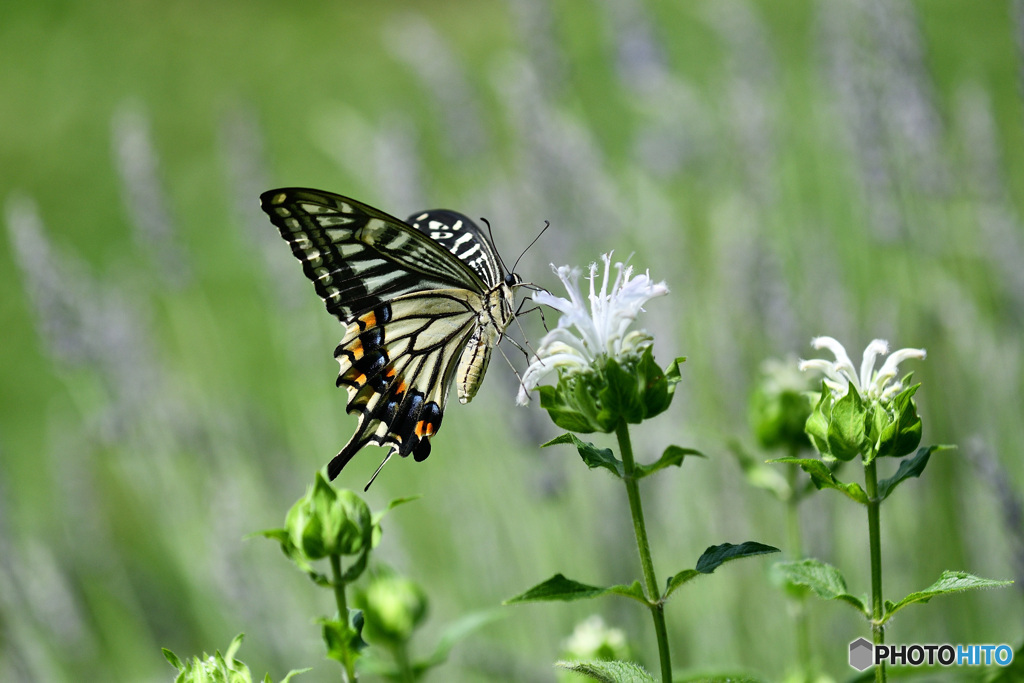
pixel 422 305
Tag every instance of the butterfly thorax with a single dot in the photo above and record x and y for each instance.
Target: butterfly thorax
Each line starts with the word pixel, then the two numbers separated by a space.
pixel 492 320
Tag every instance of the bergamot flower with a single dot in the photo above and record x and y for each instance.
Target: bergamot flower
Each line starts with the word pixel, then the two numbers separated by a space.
pixel 840 374
pixel 605 370
pixel 868 413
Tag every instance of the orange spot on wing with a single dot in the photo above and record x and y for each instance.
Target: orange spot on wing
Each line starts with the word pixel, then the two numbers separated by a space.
pixel 369 320
pixel 424 428
pixel 356 349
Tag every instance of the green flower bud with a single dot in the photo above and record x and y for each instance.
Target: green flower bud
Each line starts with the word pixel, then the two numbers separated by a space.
pixel 630 387
pixel 216 668
pixel 896 427
pixel 329 522
pixel 780 407
pixel 392 606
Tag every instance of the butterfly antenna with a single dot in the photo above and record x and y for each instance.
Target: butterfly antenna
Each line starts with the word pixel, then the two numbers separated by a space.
pixel 379 468
pixel 547 224
pixel 490 233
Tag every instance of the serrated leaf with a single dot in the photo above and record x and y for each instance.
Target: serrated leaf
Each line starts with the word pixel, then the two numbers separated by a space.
pixel 823 579
pixel 609 672
pixel 673 455
pixel 823 478
pixel 716 555
pixel 908 468
pixel 949 582
pixel 560 588
pixel 557 588
pixel 592 455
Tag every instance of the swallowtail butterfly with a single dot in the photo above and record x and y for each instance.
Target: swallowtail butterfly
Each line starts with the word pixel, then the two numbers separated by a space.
pixel 423 303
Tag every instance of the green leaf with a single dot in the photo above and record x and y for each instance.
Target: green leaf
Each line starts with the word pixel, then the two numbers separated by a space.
pixel 621 396
pixel 672 373
pixel 679 579
pixel 817 424
pixel 288 677
pixel 609 672
pixel 760 476
pixel 823 579
pixel 560 588
pixel 823 477
pixel 591 454
pixel 846 427
pixel 233 646
pixel 458 630
pixel 903 433
pixel 561 412
pixel 908 468
pixel 713 558
pixel 949 582
pixel 673 455
pixel 172 659
pixel 376 518
pixel 729 677
pixel 654 385
pixel 716 555
pixel 344 641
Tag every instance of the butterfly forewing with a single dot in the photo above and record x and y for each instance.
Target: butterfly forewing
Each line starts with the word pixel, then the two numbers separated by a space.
pixel 463 238
pixel 422 306
pixel 358 256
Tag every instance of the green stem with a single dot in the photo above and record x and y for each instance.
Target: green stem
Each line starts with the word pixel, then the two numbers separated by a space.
pixel 875 540
pixel 644 547
pixel 401 653
pixel 801 625
pixel 348 671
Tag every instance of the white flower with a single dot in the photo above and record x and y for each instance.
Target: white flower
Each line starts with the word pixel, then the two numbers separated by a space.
pixel 592 637
pixel 872 385
pixel 600 327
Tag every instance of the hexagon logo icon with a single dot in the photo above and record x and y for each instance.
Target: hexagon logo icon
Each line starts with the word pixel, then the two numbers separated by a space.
pixel 861 654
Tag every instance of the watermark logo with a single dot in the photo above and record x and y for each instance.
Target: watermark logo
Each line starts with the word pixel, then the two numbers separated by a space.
pixel 861 654
pixel 864 654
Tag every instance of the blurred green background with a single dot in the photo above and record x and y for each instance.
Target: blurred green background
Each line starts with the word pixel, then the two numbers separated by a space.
pixel 789 168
